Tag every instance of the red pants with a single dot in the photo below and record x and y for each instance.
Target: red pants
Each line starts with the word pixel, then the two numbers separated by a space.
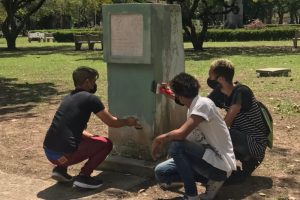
pixel 95 149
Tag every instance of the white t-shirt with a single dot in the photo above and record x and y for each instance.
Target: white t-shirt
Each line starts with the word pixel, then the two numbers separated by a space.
pixel 212 131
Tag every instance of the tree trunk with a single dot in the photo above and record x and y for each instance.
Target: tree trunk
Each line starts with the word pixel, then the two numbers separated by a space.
pixel 203 32
pixel 297 19
pixel 269 14
pixel 280 15
pixel 235 20
pixel 10 32
pixel 192 35
pixel 11 28
pixel 190 31
pixel 197 39
pixel 292 15
pixel 11 43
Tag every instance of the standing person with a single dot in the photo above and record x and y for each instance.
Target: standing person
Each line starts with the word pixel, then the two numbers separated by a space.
pixel 68 143
pixel 200 149
pixel 247 129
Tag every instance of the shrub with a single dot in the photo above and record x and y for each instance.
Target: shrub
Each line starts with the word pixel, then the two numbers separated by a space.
pixel 268 34
pixel 250 35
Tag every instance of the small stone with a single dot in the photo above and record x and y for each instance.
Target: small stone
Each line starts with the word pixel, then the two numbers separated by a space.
pixel 262 194
pixel 141 190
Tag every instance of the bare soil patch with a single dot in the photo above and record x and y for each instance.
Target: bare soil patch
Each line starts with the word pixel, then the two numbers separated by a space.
pixel 23 131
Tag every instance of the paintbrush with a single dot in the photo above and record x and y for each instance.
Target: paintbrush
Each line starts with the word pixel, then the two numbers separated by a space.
pixel 161 88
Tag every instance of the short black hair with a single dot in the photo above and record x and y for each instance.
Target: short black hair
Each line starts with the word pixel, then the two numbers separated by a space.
pixel 185 85
pixel 82 73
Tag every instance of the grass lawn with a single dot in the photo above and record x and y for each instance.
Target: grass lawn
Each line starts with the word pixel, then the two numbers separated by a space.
pixel 34 79
pixel 53 63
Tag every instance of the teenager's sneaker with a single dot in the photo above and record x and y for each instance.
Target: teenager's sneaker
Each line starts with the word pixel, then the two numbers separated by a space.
pixel 60 174
pixel 166 186
pixel 87 182
pixel 212 189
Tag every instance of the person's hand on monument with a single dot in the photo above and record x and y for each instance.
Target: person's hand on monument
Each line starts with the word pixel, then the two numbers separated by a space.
pixel 157 146
pixel 132 121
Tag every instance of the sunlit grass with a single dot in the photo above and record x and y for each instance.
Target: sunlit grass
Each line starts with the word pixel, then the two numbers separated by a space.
pixel 54 62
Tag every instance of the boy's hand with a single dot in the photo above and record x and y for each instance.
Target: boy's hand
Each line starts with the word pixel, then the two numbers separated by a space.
pixel 132 121
pixel 166 90
pixel 156 148
pixel 157 145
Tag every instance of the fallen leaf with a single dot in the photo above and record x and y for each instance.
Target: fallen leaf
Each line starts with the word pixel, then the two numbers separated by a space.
pixel 262 194
pixel 141 190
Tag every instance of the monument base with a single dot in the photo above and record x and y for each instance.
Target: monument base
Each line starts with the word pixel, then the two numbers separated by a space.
pixel 129 166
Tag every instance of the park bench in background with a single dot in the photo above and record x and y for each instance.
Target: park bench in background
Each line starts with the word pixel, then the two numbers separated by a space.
pixel 48 37
pixel 91 40
pixel 296 38
pixel 37 36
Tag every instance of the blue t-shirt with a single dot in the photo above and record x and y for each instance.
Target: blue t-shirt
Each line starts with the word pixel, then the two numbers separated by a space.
pixel 52 155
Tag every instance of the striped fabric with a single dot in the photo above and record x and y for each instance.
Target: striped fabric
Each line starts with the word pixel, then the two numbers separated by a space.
pixel 251 123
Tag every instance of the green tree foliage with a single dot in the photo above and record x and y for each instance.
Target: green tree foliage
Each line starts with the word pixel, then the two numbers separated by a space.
pixel 66 13
pixel 294 11
pixel 2 14
pixel 205 11
pixel 265 9
pixel 17 13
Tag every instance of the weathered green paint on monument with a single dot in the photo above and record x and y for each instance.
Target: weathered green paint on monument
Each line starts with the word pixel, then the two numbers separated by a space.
pixel 142 43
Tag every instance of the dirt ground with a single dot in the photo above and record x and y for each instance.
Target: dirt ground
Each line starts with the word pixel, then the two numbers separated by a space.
pixel 23 131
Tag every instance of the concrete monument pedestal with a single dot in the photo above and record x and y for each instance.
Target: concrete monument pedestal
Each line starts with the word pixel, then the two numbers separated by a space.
pixel 142 43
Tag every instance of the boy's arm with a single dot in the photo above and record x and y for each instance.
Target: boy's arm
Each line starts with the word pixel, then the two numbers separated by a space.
pixel 178 134
pixel 115 122
pixel 232 113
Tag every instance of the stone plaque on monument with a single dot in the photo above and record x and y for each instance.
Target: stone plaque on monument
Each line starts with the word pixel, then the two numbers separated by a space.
pixel 127 35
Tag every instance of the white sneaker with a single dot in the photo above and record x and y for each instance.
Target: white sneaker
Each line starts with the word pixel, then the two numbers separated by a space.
pixel 212 189
pixel 166 186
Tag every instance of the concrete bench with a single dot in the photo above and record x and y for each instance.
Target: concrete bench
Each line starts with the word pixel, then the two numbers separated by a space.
pixel 273 72
pixel 296 38
pixel 37 36
pixel 48 37
pixel 91 40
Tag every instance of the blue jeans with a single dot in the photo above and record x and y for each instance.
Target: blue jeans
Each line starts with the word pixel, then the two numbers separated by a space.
pixel 188 166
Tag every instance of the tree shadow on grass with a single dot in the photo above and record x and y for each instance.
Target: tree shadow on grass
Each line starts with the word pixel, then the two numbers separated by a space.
pixel 19 98
pixel 215 52
pixel 48 50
